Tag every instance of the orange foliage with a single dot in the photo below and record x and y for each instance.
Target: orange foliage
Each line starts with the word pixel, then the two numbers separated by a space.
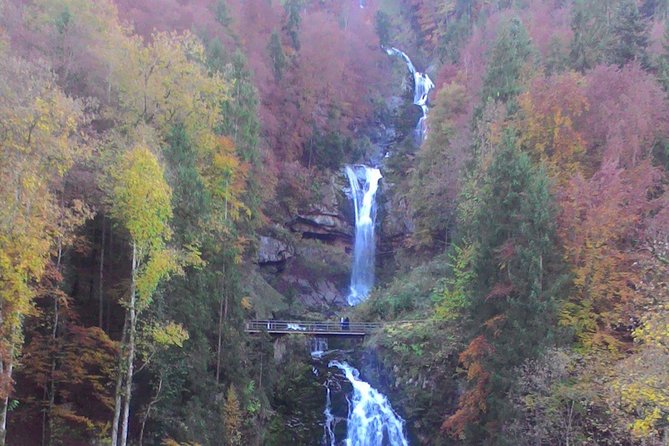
pixel 599 219
pixel 473 401
pixel 550 109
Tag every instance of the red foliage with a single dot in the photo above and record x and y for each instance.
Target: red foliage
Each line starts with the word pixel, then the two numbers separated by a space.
pixel 627 114
pixel 473 401
pixel 548 21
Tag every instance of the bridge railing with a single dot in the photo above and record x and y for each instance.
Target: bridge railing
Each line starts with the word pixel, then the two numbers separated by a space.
pixel 311 326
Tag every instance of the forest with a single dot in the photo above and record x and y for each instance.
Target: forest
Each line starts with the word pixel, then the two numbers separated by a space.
pixel 172 169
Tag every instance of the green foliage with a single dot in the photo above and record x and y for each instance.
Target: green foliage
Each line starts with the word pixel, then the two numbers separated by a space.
pixel 661 61
pixel 514 284
pixel 629 35
pixel 170 334
pixel 435 179
pixel 222 13
pixel 382 26
pixel 327 149
pixel 451 299
pixel 277 55
pixel 293 10
pixel 589 42
pixel 511 52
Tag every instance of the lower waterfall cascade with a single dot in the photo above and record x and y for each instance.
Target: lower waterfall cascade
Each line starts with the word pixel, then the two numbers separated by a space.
pixel 371 419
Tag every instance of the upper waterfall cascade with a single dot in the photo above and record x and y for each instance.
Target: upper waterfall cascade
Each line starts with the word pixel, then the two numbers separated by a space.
pixel 422 86
pixel 371 419
pixel 364 183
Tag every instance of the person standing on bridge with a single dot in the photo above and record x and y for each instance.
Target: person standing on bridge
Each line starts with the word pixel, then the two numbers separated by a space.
pixel 346 323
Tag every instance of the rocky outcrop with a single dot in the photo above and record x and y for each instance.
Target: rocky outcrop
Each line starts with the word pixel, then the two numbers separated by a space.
pixel 329 219
pixel 325 226
pixel 317 294
pixel 396 224
pixel 271 251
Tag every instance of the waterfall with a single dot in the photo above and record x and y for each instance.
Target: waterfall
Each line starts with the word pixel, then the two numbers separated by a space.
pixel 318 347
pixel 363 191
pixel 422 86
pixel 371 419
pixel 328 428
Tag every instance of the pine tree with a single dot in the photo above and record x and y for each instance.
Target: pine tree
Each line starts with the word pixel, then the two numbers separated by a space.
pixel 293 9
pixel 629 35
pixel 512 50
pixel 586 47
pixel 662 61
pixel 513 290
pixel 276 54
pixel 654 8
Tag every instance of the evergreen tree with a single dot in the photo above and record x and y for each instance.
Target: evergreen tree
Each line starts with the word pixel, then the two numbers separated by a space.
pixel 629 35
pixel 511 52
pixel 587 45
pixel 242 123
pixel 189 379
pixel 662 61
pixel 293 9
pixel 382 27
pixel 654 8
pixel 222 13
pixel 517 277
pixel 276 54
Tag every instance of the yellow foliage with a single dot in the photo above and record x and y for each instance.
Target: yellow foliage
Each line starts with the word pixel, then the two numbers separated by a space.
pixel 171 442
pixel 38 144
pixel 160 265
pixel 170 334
pixel 232 418
pixel 165 83
pixel 225 176
pixel 246 303
pixel 547 122
pixel 141 199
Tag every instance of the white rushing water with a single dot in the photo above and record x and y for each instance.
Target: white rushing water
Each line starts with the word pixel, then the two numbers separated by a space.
pixel 422 86
pixel 319 346
pixel 364 183
pixel 371 419
pixel 329 427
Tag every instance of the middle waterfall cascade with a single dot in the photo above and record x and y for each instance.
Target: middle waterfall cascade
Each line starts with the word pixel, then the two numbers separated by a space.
pixel 422 86
pixel 363 191
pixel 371 419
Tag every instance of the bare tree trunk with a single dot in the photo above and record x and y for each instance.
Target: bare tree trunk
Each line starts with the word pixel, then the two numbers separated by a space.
pixel 111 259
pixel 118 392
pixel 3 421
pixel 222 311
pixel 101 273
pixel 131 349
pixel 50 388
pixel 145 417
pixel 4 403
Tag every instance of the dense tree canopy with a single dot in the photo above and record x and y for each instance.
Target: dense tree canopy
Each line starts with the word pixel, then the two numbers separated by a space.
pixel 151 151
